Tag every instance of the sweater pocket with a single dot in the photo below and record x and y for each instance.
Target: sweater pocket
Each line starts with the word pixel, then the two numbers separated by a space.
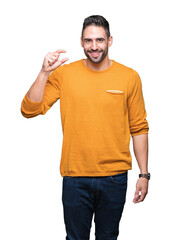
pixel 114 91
pixel 115 101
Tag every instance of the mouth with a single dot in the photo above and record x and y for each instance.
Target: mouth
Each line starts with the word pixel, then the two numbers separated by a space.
pixel 95 54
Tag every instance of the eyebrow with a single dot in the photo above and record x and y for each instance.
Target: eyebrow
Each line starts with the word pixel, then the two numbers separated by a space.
pixel 101 38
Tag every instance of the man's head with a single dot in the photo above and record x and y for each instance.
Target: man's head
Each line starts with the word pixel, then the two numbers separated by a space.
pixel 96 38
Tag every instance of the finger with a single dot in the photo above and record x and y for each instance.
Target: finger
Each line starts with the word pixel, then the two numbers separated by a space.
pixel 51 61
pixel 54 55
pixel 136 195
pixel 142 197
pixel 60 62
pixel 64 60
pixel 136 199
pixel 60 51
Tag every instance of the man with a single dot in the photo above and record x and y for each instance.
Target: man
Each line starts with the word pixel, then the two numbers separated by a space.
pixel 101 103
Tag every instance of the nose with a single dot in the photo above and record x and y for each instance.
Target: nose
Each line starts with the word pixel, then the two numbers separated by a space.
pixel 94 45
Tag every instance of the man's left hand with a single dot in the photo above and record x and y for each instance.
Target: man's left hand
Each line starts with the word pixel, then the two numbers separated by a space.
pixel 141 190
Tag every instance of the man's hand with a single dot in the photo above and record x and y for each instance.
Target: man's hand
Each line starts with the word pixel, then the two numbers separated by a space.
pixel 141 190
pixel 51 60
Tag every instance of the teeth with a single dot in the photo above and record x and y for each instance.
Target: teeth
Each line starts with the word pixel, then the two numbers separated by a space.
pixel 95 54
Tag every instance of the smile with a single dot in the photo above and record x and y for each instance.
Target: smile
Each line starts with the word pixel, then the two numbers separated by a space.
pixel 95 54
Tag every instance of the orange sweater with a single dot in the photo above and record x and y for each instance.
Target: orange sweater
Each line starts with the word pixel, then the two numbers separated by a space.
pixel 99 111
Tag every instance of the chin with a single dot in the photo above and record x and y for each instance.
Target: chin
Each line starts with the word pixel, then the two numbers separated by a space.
pixel 96 61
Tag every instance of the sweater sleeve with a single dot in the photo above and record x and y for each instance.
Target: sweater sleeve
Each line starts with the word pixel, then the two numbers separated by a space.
pixel 136 106
pixel 31 109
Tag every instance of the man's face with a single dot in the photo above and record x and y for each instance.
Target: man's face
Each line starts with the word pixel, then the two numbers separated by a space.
pixel 95 43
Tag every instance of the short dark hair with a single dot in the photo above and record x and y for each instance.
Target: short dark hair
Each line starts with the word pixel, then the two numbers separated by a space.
pixel 96 20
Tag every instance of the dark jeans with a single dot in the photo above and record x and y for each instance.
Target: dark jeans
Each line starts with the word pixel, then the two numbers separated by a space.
pixel 103 196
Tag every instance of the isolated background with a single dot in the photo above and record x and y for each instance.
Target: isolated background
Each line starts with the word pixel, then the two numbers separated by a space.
pixel 30 181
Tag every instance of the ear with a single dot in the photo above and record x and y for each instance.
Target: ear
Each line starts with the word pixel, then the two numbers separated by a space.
pixel 81 42
pixel 110 41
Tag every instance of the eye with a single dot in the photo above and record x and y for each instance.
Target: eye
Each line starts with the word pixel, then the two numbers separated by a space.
pixel 100 40
pixel 87 40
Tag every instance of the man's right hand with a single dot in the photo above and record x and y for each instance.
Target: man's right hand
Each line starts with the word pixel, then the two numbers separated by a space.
pixel 36 91
pixel 51 61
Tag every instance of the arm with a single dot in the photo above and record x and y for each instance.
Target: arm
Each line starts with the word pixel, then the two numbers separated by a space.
pixel 139 131
pixel 51 62
pixel 45 90
pixel 140 145
pixel 36 91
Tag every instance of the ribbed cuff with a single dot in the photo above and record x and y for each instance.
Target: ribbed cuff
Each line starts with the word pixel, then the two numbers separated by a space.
pixel 29 108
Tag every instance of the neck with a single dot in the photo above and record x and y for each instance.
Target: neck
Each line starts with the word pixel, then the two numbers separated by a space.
pixel 106 63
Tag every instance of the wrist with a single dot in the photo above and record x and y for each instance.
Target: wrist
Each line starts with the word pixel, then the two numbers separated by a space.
pixel 44 72
pixel 145 175
pixel 43 75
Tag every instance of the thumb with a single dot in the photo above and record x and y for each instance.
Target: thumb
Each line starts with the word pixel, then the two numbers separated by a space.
pixel 60 62
pixel 136 196
pixel 64 60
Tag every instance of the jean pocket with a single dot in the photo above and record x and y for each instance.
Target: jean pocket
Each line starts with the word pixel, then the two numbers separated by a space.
pixel 120 178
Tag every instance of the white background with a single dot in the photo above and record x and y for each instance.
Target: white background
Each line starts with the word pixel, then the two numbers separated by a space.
pixel 30 181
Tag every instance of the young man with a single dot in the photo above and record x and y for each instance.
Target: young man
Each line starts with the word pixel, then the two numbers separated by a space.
pixel 101 104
